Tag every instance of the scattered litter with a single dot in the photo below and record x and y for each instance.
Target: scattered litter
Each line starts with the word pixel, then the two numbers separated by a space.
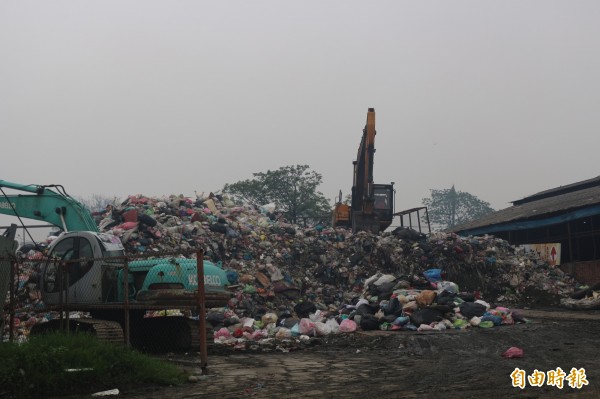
pixel 107 393
pixel 513 352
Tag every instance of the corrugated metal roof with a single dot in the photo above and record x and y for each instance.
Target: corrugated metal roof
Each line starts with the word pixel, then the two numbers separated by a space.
pixel 538 209
pixel 560 190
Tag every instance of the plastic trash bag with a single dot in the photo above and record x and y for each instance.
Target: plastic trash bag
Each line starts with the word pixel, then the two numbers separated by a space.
pixel 386 278
pixel 460 323
pixel 295 330
pixel 424 327
pixel 486 324
pixel 497 320
pixel 484 303
pixel 269 318
pixel 513 352
pixel 470 309
pixel 223 332
pixel 333 325
pixel 425 298
pixel 347 326
pixel 322 329
pixel 283 333
pixel 448 286
pixel 306 327
pixel 433 275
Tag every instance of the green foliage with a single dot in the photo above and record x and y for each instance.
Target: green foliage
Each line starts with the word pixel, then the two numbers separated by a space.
pixel 38 368
pixel 448 208
pixel 293 189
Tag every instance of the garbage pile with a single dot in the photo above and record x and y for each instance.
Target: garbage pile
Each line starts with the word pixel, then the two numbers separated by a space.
pixel 274 259
pixel 407 309
pixel 295 281
pixel 585 298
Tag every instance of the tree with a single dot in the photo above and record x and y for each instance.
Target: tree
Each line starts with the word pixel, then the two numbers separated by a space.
pixel 448 208
pixel 96 202
pixel 293 189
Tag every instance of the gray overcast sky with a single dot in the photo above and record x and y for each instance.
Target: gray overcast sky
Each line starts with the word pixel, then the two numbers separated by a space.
pixel 167 97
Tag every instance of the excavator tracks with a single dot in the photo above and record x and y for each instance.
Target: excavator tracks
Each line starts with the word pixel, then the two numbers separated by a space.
pixel 104 330
pixel 150 334
pixel 169 333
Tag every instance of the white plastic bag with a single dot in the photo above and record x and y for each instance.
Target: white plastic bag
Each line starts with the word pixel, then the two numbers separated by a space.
pixel 333 326
pixel 322 329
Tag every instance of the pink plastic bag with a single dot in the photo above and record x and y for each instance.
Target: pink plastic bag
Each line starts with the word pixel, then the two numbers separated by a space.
pixel 306 327
pixel 347 326
pixel 128 225
pixel 513 352
pixel 223 332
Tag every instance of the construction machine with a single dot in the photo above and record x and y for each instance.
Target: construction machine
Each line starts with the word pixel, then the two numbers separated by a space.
pixel 96 270
pixel 372 205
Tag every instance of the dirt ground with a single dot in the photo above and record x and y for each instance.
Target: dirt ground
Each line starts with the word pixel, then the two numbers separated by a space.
pixel 451 364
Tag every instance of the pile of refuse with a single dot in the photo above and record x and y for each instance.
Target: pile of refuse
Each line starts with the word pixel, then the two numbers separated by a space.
pixel 292 280
pixel 407 309
pixel 273 258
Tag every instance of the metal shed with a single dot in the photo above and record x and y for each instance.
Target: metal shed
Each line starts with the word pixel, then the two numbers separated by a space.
pixel 569 215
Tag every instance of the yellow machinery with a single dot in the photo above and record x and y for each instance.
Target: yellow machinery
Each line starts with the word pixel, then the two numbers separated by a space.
pixel 372 206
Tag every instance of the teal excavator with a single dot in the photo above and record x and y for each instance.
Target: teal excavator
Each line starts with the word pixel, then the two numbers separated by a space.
pixel 95 273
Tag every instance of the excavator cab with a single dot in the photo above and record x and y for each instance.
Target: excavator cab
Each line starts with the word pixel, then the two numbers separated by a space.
pixel 383 204
pixel 377 211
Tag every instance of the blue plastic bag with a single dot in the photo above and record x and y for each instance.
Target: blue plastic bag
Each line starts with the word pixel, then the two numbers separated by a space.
pixel 433 275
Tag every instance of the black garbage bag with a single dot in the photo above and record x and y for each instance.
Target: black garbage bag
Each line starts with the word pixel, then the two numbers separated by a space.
pixel 384 291
pixel 472 309
pixel 259 313
pixel 467 296
pixel 215 318
pixel 425 316
pixel 405 233
pixel 218 228
pixel 443 309
pixel 303 309
pixel 369 322
pixel 580 294
pixel 394 307
pixel 147 220
pixel 367 309
pixel 445 298
pixel 230 321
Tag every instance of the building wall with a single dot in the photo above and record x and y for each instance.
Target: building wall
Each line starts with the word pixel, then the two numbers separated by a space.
pixel 587 272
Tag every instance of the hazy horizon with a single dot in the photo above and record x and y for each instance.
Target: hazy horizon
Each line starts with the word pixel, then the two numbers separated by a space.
pixel 119 98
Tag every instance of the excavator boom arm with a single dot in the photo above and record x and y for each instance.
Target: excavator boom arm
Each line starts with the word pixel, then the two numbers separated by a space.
pixel 363 167
pixel 46 205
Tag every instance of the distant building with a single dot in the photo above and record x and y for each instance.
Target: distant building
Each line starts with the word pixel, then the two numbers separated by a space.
pixel 567 215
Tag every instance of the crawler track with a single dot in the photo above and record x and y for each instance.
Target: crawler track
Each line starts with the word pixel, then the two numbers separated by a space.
pixel 105 330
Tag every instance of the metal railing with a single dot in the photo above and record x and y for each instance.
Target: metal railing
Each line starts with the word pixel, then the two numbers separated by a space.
pixel 102 295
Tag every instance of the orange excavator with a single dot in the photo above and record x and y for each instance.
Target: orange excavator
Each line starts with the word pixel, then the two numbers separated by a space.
pixel 372 205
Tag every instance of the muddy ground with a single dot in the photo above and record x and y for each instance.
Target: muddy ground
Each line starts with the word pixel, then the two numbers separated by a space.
pixel 451 364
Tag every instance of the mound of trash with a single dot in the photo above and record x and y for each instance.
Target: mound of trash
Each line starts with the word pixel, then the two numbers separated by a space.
pixel 328 266
pixel 290 280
